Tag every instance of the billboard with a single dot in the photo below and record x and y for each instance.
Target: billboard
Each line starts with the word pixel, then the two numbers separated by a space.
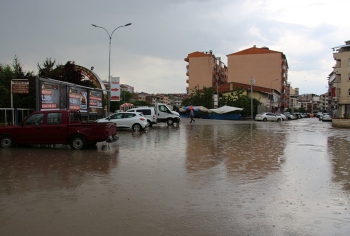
pixel 50 96
pixel 95 101
pixel 54 95
pixel 77 99
pixel 115 89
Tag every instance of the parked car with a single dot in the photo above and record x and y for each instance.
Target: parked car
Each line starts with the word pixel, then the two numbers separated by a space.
pixel 57 127
pixel 148 112
pixel 131 120
pixel 320 117
pixel 283 117
pixel 326 117
pixel 318 114
pixel 289 116
pixel 267 116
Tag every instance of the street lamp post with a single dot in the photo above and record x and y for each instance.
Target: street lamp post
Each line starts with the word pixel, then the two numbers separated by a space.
pixel 252 82
pixel 109 63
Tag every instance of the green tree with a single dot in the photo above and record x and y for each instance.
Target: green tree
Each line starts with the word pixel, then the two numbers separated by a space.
pixel 241 100
pixel 67 72
pixel 11 72
pixel 202 97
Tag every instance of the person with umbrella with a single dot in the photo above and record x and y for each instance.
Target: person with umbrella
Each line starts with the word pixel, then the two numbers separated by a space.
pixel 191 108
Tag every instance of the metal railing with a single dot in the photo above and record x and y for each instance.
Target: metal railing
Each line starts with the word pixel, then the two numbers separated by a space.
pixel 9 116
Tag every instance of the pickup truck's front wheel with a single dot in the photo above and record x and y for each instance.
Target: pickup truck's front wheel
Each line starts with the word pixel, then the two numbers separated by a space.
pixel 6 141
pixel 170 122
pixel 77 142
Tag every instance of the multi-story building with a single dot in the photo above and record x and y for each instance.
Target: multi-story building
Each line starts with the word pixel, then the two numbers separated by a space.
pixel 204 70
pixel 340 86
pixel 125 87
pixel 268 68
pixel 323 105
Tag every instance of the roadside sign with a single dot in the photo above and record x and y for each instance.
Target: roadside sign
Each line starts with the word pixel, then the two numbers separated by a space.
pixel 20 86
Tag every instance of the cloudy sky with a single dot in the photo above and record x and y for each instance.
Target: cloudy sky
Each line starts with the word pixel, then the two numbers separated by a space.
pixel 149 54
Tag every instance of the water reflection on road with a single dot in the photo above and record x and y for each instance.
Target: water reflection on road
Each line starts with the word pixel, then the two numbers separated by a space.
pixel 205 178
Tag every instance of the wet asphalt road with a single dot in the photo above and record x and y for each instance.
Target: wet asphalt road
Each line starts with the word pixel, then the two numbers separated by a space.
pixel 210 177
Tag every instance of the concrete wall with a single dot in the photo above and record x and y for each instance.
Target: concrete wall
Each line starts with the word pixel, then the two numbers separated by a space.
pixel 341 123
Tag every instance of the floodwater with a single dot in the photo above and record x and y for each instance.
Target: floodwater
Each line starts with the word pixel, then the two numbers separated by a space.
pixel 206 178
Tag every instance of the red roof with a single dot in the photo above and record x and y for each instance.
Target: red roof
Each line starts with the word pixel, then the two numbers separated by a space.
pixel 254 50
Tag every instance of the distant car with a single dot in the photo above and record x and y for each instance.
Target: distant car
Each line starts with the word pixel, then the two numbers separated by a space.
pixel 289 116
pixel 318 114
pixel 326 117
pixel 267 116
pixel 282 116
pixel 320 117
pixel 131 120
pixel 297 115
pixel 293 117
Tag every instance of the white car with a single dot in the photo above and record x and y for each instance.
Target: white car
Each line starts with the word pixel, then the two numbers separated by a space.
pixel 267 116
pixel 282 116
pixel 326 117
pixel 132 120
pixel 148 112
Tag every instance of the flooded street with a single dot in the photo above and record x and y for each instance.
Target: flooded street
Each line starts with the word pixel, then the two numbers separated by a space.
pixel 207 178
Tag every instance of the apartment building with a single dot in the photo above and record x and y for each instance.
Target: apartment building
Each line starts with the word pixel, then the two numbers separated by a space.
pixel 323 105
pixel 269 69
pixel 339 80
pixel 204 70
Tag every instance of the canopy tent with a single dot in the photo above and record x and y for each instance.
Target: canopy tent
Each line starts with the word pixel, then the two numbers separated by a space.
pixel 203 109
pixel 126 106
pixel 187 108
pixel 225 109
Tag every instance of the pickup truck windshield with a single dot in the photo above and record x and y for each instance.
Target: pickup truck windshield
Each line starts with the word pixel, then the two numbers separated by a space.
pixel 36 119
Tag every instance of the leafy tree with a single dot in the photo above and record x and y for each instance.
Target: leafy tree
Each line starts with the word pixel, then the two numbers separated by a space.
pixel 202 97
pixel 241 100
pixel 67 72
pixel 15 71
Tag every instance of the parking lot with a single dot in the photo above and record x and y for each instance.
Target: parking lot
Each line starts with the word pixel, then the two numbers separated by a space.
pixel 209 177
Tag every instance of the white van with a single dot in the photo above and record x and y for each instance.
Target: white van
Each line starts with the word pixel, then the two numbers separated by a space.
pixel 148 112
pixel 165 114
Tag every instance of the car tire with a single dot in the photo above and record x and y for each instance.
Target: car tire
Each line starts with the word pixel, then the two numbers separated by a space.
pixel 170 122
pixel 136 127
pixel 6 141
pixel 77 142
pixel 278 120
pixel 149 123
pixel 264 119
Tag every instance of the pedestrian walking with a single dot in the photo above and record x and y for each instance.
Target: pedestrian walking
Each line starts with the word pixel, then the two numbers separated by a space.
pixel 192 116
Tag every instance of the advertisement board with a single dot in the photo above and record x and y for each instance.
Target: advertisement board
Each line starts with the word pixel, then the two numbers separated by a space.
pixel 95 101
pixel 115 89
pixel 50 96
pixel 78 99
pixel 54 95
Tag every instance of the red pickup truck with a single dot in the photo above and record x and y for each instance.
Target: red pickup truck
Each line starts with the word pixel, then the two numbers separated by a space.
pixel 57 127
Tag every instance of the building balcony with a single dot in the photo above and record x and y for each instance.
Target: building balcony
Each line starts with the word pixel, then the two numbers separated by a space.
pixel 187 81
pixel 337 64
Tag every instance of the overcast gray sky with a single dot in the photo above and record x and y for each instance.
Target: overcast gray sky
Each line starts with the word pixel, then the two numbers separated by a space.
pixel 149 54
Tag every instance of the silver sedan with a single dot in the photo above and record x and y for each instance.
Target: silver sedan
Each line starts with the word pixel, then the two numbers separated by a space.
pixel 267 116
